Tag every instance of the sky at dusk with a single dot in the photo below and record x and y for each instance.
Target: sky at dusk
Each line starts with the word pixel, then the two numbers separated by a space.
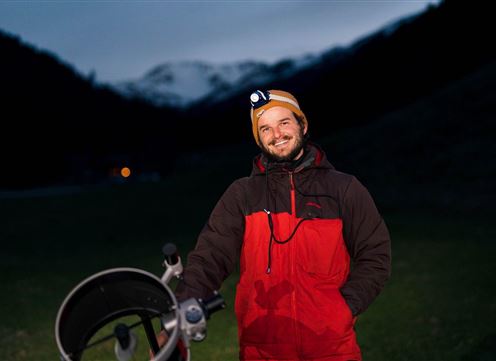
pixel 121 40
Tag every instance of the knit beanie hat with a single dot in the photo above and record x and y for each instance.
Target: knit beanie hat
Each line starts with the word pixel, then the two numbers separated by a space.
pixel 263 100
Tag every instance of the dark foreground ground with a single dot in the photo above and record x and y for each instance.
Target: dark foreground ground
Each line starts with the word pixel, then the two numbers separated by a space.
pixel 439 305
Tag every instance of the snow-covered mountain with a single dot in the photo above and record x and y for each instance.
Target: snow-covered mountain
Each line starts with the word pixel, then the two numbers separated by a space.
pixel 186 83
pixel 183 83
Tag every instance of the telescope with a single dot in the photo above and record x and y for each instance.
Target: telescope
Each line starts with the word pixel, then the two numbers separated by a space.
pixel 98 310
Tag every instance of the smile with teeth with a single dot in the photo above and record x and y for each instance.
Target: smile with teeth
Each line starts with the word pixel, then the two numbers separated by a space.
pixel 284 141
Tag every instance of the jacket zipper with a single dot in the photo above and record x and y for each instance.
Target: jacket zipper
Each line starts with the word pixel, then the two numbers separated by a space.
pixel 293 200
pixel 293 272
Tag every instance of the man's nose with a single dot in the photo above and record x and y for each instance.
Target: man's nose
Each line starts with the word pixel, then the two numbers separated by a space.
pixel 276 133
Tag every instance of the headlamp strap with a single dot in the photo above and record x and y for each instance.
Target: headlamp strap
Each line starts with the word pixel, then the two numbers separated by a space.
pixel 259 98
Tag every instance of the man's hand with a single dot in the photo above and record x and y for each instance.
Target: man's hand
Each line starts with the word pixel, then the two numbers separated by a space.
pixel 162 338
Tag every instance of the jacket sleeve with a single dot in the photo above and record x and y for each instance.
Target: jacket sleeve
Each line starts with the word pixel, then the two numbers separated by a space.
pixel 369 245
pixel 217 249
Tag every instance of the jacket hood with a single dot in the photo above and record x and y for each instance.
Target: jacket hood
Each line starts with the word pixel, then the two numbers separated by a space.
pixel 313 157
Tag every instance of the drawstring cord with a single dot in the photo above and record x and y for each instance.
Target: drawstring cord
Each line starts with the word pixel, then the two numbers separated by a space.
pixel 271 223
pixel 273 237
pixel 269 215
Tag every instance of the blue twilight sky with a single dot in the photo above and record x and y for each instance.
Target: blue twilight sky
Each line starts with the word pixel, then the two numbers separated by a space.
pixel 121 40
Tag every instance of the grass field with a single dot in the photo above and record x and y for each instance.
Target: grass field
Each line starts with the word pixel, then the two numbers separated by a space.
pixel 439 305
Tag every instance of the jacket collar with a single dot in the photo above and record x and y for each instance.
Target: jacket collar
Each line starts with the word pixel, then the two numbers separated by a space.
pixel 313 157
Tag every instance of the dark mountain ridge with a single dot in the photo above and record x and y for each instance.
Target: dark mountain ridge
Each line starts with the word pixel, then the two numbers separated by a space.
pixel 380 73
pixel 58 124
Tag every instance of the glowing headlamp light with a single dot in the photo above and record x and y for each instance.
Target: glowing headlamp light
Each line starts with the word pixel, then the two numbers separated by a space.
pixel 259 98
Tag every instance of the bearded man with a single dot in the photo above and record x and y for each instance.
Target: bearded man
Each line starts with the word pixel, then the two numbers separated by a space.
pixel 312 248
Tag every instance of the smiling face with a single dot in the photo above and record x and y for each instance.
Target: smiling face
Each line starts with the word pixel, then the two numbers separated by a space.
pixel 281 136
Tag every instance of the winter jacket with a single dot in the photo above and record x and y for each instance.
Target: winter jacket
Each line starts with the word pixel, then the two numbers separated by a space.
pixel 295 229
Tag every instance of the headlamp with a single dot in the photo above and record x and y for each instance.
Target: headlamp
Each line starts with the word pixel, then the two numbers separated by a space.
pixel 259 98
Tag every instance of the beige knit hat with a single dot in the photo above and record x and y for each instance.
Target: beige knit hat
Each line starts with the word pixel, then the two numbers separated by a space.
pixel 263 100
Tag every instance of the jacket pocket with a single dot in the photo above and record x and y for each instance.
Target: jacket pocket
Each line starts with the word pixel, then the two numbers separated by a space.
pixel 331 333
pixel 321 249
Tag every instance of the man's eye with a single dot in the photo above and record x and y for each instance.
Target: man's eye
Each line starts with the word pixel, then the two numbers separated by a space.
pixel 264 130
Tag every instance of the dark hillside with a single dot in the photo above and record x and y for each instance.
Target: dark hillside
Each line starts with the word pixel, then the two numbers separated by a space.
pixel 439 151
pixel 378 74
pixel 57 125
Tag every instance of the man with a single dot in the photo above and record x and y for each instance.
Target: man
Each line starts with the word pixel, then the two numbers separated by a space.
pixel 295 225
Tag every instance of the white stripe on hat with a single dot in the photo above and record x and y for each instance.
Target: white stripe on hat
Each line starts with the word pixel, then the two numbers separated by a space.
pixel 284 99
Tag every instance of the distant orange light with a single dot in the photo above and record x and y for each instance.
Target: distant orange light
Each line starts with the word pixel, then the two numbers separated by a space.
pixel 125 172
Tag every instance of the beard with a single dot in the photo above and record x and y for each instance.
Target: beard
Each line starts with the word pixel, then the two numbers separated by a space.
pixel 300 141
